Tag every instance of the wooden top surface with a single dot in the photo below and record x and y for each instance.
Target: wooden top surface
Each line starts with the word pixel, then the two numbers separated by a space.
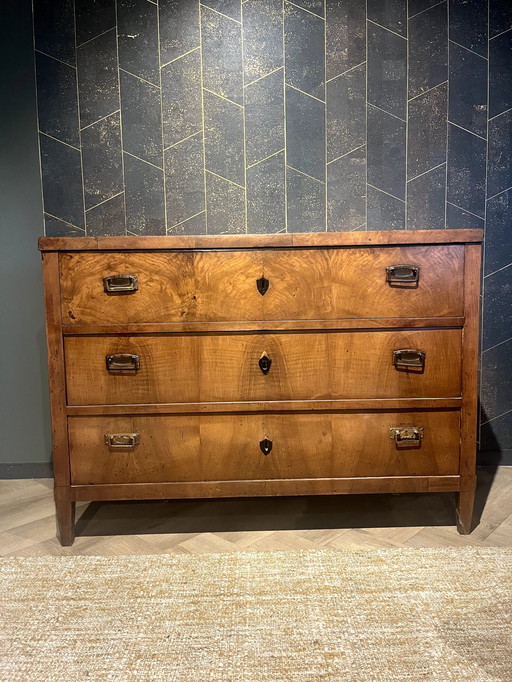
pixel 252 241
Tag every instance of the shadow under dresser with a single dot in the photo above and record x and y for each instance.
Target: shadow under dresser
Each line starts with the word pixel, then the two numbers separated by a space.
pixel 259 365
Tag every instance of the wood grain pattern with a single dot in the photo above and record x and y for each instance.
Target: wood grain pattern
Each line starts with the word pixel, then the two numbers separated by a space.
pixel 267 406
pixel 224 368
pixel 329 322
pixel 261 240
pixel 226 447
pixel 56 370
pixel 263 325
pixel 469 413
pixel 270 488
pixel 304 285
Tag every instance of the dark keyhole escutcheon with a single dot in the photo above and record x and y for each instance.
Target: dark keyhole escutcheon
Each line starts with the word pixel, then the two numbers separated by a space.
pixel 265 363
pixel 265 446
pixel 263 284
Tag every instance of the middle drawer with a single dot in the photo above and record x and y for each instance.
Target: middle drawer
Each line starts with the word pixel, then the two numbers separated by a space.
pixel 192 368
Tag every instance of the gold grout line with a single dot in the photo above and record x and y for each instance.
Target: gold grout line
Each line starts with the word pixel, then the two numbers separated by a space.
pixel 34 83
pixel 465 48
pixel 50 56
pixel 428 90
pixel 427 9
pixel 496 417
pixel 318 16
pixel 117 111
pixel 425 172
pixel 500 34
pixel 222 97
pixel 406 151
pixel 161 114
pixel 202 113
pixel 243 118
pixel 447 112
pixel 498 270
pixel 120 118
pixel 344 72
pixel 484 225
pixel 63 221
pixel 466 130
pixel 138 77
pixel 496 345
pixel 183 140
pixel 181 55
pixel 305 93
pixel 262 77
pixel 99 35
pixel 386 112
pixel 80 123
pixel 346 154
pixel 501 114
pixel 104 202
pixel 385 28
pixel 223 178
pixel 357 228
pixel 187 219
pixel 384 192
pixel 284 121
pixel 325 114
pixel 494 195
pixel 143 160
pixel 366 111
pixel 266 158
pixel 465 210
pixel 57 140
pixel 305 174
pixel 201 4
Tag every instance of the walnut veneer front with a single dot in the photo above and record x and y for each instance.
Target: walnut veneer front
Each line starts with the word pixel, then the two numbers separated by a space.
pixel 265 366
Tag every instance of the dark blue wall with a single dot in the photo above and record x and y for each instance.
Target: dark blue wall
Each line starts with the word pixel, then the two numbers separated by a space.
pixel 24 414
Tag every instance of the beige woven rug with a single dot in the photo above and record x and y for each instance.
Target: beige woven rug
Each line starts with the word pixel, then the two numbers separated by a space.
pixel 405 614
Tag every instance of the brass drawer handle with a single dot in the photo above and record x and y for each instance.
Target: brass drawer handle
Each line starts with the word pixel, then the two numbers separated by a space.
pixel 262 284
pixel 406 436
pixel 120 283
pixel 409 357
pixel 122 440
pixel 121 361
pixel 402 274
pixel 266 446
pixel 265 363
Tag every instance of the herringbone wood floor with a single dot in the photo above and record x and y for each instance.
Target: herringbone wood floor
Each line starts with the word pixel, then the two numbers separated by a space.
pixel 27 523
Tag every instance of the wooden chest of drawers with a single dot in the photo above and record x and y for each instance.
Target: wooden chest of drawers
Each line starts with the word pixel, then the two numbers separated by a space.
pixel 262 365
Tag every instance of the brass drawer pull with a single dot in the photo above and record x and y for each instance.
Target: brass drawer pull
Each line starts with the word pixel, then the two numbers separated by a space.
pixel 121 361
pixel 266 446
pixel 265 363
pixel 122 440
pixel 406 436
pixel 402 274
pixel 120 283
pixel 263 284
pixel 409 357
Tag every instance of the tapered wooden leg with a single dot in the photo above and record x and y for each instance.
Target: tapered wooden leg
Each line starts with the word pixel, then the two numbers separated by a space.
pixel 65 512
pixel 464 504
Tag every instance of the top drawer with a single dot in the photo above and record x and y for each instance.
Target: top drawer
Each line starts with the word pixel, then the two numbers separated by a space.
pixel 216 286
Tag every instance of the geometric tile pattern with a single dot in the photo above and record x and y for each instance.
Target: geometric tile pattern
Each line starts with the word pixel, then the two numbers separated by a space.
pixel 250 116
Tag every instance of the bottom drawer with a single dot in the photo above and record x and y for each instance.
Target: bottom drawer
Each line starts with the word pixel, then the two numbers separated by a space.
pixel 213 447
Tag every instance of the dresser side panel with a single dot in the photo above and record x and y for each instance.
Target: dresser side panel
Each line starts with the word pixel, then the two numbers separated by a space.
pixel 470 358
pixel 56 369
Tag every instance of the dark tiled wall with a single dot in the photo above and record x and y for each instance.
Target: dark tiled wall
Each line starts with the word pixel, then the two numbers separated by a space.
pixel 232 116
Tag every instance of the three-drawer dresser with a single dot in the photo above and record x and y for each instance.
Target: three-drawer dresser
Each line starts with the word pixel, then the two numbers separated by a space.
pixel 258 365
